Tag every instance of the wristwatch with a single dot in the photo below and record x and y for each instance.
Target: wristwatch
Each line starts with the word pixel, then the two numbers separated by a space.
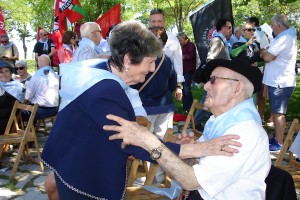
pixel 179 85
pixel 155 154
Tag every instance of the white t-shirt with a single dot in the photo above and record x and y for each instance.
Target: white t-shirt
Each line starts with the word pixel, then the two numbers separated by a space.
pixel 241 176
pixel 281 71
pixel 173 50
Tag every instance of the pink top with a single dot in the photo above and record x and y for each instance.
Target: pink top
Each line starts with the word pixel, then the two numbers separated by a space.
pixel 64 55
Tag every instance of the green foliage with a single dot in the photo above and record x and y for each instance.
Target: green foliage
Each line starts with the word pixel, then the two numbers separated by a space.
pixel 31 65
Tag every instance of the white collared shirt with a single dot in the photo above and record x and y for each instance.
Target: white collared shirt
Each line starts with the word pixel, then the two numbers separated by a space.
pixel 43 88
pixel 173 50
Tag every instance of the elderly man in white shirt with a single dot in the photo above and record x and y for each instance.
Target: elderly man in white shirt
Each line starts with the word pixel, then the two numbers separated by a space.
pixel 90 39
pixel 241 176
pixel 43 90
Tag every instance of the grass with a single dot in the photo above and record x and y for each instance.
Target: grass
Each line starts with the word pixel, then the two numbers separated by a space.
pixel 293 110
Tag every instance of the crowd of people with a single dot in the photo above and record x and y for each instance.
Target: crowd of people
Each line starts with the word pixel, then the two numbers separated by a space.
pixel 109 87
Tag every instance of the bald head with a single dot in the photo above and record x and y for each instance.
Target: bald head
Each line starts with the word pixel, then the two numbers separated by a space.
pixel 44 60
pixel 92 31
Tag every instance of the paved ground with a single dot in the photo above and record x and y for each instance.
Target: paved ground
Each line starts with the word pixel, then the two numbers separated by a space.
pixel 29 184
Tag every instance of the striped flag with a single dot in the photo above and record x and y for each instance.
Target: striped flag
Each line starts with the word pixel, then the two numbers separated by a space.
pixel 204 20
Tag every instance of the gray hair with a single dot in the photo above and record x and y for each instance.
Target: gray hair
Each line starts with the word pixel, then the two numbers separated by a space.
pixel 281 19
pixel 236 29
pixel 87 28
pixel 21 62
pixel 134 39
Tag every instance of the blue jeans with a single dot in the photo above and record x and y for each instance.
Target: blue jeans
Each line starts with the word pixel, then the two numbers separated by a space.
pixel 187 96
pixel 279 98
pixel 200 115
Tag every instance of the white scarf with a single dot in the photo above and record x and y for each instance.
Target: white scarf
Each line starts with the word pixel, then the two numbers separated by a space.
pixel 45 48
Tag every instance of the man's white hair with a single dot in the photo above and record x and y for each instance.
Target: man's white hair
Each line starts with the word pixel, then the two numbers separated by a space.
pixel 87 28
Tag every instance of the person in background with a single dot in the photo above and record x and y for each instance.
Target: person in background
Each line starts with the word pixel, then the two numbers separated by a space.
pixel 43 90
pixel 189 61
pixel 44 46
pixel 264 41
pixel 218 48
pixel 21 69
pixel 65 53
pixel 103 48
pixel 280 75
pixel 229 91
pixel 172 48
pixel 261 36
pixel 248 50
pixel 8 51
pixel 90 38
pixel 237 36
pixel 10 91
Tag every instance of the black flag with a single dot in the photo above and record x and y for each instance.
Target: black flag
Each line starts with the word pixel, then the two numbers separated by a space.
pixel 204 20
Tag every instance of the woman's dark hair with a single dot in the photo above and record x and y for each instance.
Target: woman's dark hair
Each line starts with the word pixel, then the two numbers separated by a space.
pixel 221 23
pixel 160 32
pixel 134 39
pixel 67 37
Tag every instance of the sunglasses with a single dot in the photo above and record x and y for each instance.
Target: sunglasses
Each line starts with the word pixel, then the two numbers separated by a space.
pixel 214 78
pixel 5 42
pixel 250 29
pixel 19 68
pixel 229 27
pixel 46 34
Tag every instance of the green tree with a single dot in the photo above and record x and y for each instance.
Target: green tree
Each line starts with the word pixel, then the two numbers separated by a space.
pixel 18 15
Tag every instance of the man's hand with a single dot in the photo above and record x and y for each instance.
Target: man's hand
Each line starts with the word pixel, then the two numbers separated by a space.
pixel 131 133
pixel 185 138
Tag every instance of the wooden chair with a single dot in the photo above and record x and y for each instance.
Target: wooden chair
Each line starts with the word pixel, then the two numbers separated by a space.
pixel 190 118
pixel 44 122
pixel 293 167
pixel 135 193
pixel 17 134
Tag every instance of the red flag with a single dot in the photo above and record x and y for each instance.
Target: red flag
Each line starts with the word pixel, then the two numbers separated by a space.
pixel 38 33
pixel 67 9
pixel 111 17
pixel 2 25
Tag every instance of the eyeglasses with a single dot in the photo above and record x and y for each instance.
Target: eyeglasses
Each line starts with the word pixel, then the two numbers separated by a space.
pixel 250 29
pixel 213 79
pixel 19 68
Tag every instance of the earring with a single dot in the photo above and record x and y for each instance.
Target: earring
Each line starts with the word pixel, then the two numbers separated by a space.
pixel 126 69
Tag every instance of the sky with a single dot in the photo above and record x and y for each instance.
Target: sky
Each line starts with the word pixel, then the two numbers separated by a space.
pixel 16 40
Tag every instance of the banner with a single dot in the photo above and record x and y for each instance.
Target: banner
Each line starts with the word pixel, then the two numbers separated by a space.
pixel 2 25
pixel 204 20
pixel 111 17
